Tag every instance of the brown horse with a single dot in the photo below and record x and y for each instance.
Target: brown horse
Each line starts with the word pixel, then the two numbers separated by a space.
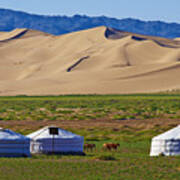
pixel 111 146
pixel 89 146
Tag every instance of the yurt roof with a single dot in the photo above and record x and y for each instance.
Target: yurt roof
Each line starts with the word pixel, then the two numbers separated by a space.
pixel 6 134
pixel 45 134
pixel 171 134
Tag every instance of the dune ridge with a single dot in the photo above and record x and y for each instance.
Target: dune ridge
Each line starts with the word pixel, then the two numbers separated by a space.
pixel 95 61
pixel 15 34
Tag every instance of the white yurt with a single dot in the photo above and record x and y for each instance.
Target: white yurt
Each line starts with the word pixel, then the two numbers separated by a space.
pixel 13 144
pixel 52 139
pixel 167 144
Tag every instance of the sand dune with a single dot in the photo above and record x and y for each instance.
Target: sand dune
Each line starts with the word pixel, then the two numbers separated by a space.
pixel 95 61
pixel 177 39
pixel 12 35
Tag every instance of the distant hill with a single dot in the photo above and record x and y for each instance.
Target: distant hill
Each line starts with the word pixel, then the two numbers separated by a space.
pixel 10 19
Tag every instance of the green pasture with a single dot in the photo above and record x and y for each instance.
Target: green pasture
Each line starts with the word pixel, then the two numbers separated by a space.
pixel 89 107
pixel 131 120
pixel 131 161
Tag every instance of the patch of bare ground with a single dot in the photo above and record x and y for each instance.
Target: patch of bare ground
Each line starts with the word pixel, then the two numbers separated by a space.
pixel 115 125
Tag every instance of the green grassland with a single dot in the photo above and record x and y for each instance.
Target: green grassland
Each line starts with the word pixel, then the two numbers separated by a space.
pixel 90 107
pixel 131 120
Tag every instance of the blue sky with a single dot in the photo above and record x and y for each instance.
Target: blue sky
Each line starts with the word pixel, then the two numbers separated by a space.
pixel 166 10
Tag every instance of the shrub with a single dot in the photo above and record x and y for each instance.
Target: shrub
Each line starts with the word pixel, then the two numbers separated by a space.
pixel 106 157
pixel 123 117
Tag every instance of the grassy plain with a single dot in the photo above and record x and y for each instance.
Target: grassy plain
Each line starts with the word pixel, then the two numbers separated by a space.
pixel 131 120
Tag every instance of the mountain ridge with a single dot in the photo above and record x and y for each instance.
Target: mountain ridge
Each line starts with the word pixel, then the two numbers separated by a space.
pixel 57 25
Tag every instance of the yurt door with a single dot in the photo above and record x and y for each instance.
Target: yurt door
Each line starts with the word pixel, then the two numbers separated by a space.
pixel 53 131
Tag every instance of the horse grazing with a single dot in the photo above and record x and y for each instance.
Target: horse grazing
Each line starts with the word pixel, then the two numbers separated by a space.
pixel 89 146
pixel 110 146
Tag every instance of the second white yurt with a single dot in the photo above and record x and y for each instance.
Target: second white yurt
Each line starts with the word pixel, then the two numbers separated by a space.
pixel 167 144
pixel 13 144
pixel 52 139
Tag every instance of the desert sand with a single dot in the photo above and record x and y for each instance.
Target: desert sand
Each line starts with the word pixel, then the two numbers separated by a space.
pixel 94 61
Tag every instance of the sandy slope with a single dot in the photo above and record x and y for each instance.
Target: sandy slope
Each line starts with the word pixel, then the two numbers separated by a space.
pixel 178 39
pixel 100 60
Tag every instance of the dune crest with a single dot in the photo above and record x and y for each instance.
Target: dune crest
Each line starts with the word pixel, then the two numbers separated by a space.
pixel 6 36
pixel 95 61
pixel 19 33
pixel 177 39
